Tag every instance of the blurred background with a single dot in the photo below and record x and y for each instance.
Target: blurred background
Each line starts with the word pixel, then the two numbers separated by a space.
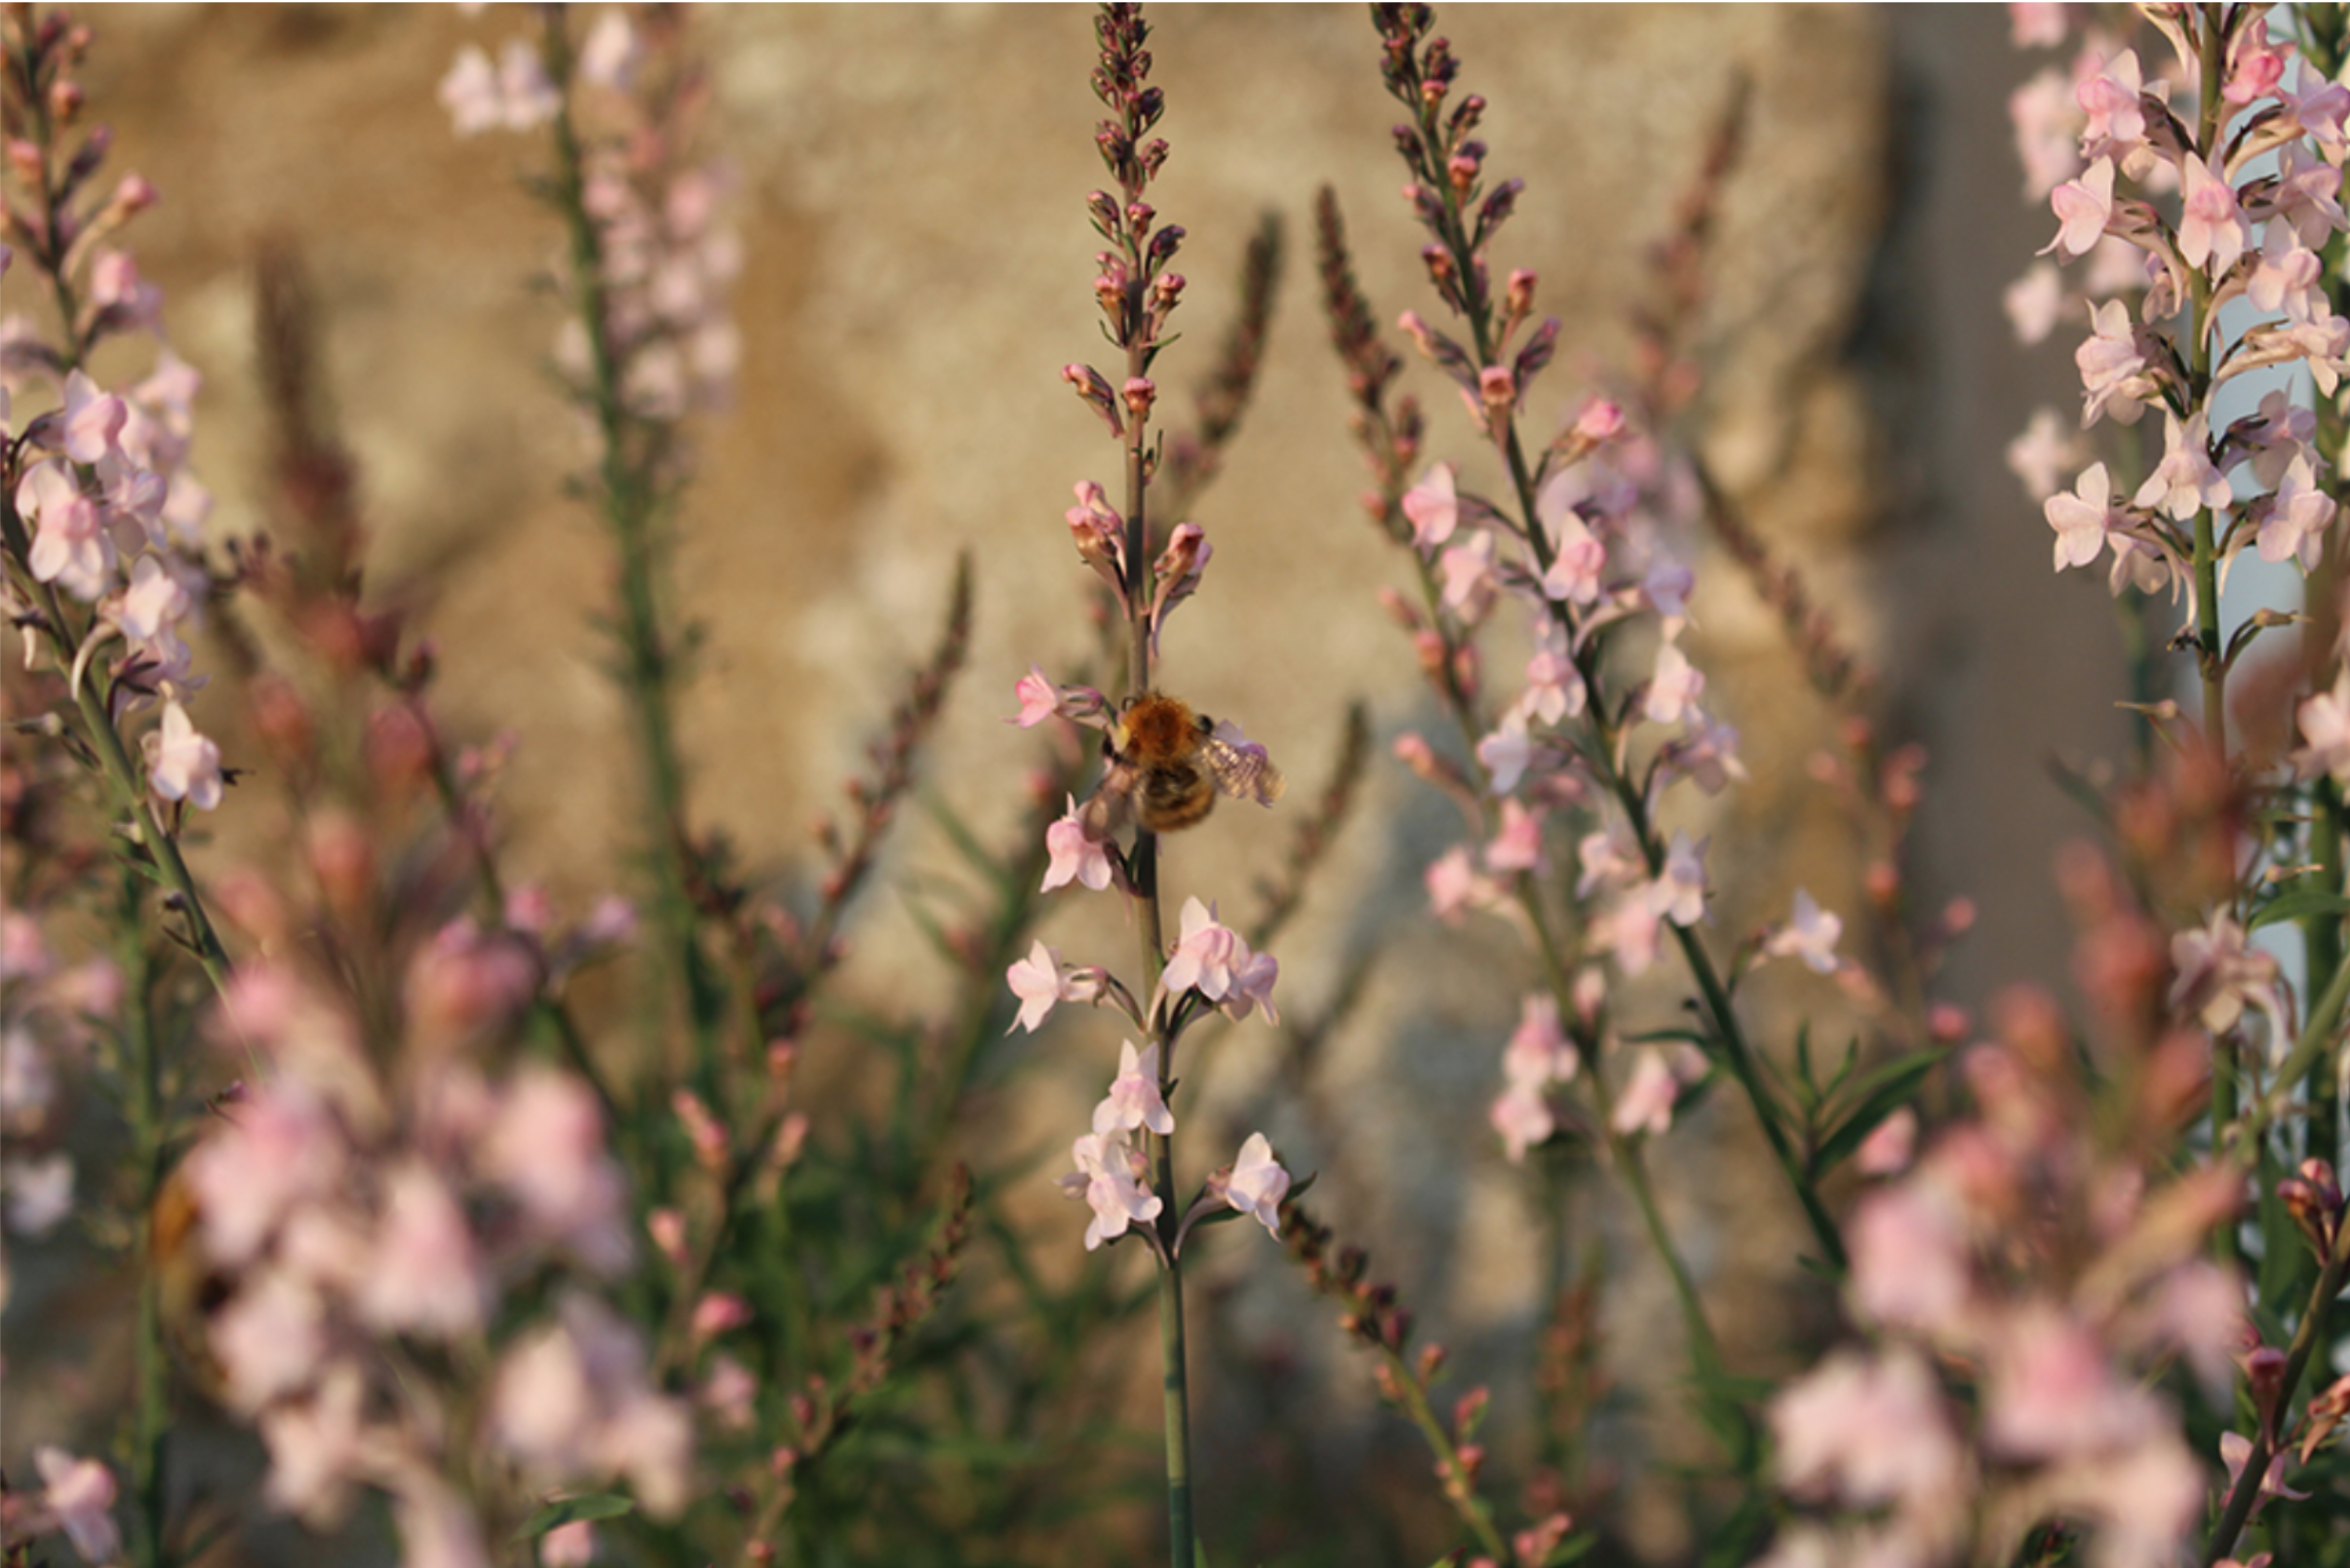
pixel 909 187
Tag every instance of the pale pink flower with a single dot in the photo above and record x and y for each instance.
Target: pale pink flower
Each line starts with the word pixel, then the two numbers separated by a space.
pixel 281 1147
pixel 1609 859
pixel 183 765
pixel 318 1447
pixel 2307 194
pixel 1706 751
pixel 529 98
pixel 2112 361
pixel 546 1147
pixel 1455 884
pixel 1108 1178
pixel 2286 278
pixel 2254 65
pixel 79 1494
pixel 470 94
pixel 91 423
pixel 2111 96
pixel 1679 891
pixel 574 1401
pixel 1889 1145
pixel 1539 1052
pixel 1675 689
pixel 1645 1103
pixel 1909 1259
pixel 70 546
pixel 1810 935
pixel 1258 1184
pixel 270 1339
pixel 40 1191
pixel 1518 845
pixel 2184 482
pixel 573 1545
pixel 611 53
pixel 1075 856
pixel 2046 119
pixel 2034 303
pixel 2052 1393
pixel 1470 581
pixel 2295 517
pixel 426 1277
pixel 2083 519
pixel 1522 1117
pixel 1037 981
pixel 2219 974
pixel 1134 1099
pixel 1555 689
pixel 1869 1431
pixel 437 1527
pixel 1204 956
pixel 1434 507
pixel 2211 229
pixel 1506 754
pixel 1579 557
pixel 1040 699
pixel 2323 721
pixel 2082 208
pixel 1253 977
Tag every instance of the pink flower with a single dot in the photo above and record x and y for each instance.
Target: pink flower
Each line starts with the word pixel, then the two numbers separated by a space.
pixel 270 1339
pixel 2082 208
pixel 280 1148
pixel 2034 303
pixel 1579 557
pixel 1910 1262
pixel 2112 361
pixel 1506 754
pixel 1037 981
pixel 572 1544
pixel 1645 1103
pixel 318 1446
pixel 1673 690
pixel 1470 580
pixel 1040 699
pixel 71 546
pixel 1522 1117
pixel 2051 1391
pixel 1518 845
pixel 2324 724
pixel 2117 119
pixel 2046 119
pixel 546 1148
pixel 1108 1178
pixel 1869 1432
pixel 1202 959
pixel 612 53
pixel 1889 1145
pixel 1811 934
pixel 1075 856
pixel 1679 892
pixel 2083 519
pixel 1134 1099
pixel 93 423
pixel 182 764
pixel 2211 229
pixel 40 1191
pixel 1539 1052
pixel 1434 507
pixel 574 1401
pixel 469 92
pixel 1258 1184
pixel 529 98
pixel 79 1494
pixel 426 1277
pixel 2295 517
pixel 1455 884
pixel 2184 482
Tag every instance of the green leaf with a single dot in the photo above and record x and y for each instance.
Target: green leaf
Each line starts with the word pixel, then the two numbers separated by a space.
pixel 591 1507
pixel 1881 1093
pixel 2300 904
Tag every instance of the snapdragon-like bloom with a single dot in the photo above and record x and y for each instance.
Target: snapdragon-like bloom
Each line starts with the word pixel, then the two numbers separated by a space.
pixel 1434 507
pixel 2083 519
pixel 1645 1103
pixel 1811 934
pixel 1075 855
pixel 2323 721
pixel 1134 1099
pixel 1109 1178
pixel 1214 961
pixel 79 1495
pixel 1040 699
pixel 183 765
pixel 1258 1184
pixel 1037 981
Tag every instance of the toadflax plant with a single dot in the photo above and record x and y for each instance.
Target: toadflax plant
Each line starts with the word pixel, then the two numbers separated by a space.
pixel 1164 767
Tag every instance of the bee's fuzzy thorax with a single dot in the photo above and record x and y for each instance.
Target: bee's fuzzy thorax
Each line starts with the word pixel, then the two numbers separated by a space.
pixel 1158 728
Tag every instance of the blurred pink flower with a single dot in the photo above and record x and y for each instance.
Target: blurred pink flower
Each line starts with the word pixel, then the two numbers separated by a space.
pixel 1258 1184
pixel 79 1494
pixel 1134 1099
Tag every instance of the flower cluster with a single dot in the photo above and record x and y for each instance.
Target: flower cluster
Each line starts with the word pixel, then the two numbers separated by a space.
pixel 1113 1175
pixel 2056 1272
pixel 366 1221
pixel 104 517
pixel 2202 226
pixel 48 1013
pixel 665 261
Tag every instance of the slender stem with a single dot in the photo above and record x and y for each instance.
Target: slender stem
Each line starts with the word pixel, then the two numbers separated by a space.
pixel 2321 951
pixel 150 1410
pixel 2305 1341
pixel 107 741
pixel 1174 1365
pixel 630 499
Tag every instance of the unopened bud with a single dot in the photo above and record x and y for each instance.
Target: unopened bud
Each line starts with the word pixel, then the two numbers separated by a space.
pixel 1139 395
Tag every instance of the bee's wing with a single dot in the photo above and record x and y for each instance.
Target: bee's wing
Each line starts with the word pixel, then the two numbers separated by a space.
pixel 1243 772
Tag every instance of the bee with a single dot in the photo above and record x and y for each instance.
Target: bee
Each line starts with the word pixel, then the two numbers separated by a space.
pixel 1171 764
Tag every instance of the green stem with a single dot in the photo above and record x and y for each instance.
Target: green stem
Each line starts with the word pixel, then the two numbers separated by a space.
pixel 2322 950
pixel 2305 1341
pixel 1182 1549
pixel 630 501
pixel 150 1410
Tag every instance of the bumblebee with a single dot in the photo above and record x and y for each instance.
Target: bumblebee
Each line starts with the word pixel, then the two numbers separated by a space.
pixel 1171 764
